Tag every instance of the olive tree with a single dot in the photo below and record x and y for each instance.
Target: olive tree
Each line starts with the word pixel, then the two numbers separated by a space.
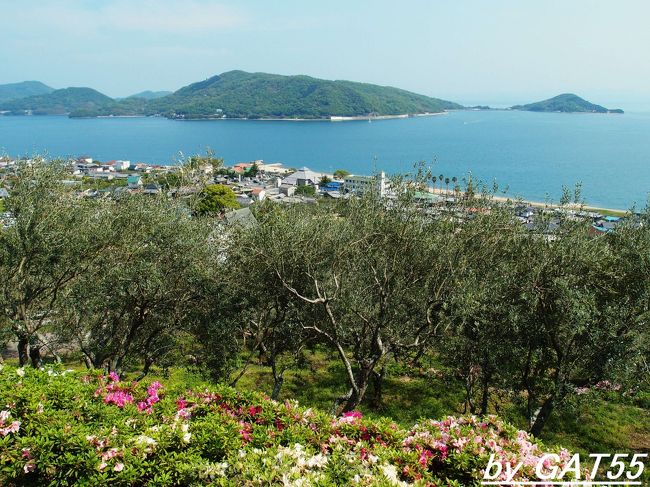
pixel 52 238
pixel 154 282
pixel 361 275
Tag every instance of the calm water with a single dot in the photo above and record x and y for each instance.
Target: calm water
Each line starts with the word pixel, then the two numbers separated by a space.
pixel 533 154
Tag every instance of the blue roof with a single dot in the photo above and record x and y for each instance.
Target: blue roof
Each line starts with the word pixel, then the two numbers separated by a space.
pixel 333 185
pixel 612 218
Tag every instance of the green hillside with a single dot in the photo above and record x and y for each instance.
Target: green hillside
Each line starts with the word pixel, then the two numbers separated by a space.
pixel 239 94
pixel 150 95
pixel 59 102
pixel 567 103
pixel 14 91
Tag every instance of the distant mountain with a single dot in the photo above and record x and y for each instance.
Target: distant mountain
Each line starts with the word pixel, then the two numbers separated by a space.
pixel 568 103
pixel 59 102
pixel 13 91
pixel 238 94
pixel 150 95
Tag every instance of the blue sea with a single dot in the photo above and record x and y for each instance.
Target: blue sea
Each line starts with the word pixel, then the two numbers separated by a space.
pixel 531 154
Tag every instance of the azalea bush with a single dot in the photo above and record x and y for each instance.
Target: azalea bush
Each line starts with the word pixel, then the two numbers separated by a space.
pixel 59 427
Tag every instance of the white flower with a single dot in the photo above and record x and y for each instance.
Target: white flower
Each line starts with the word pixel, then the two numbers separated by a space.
pixel 242 453
pixel 144 440
pixel 20 372
pixel 186 437
pixel 318 460
pixel 390 472
pixel 185 427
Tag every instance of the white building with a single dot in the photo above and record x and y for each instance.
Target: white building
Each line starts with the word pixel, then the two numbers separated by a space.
pixel 360 184
pixel 122 165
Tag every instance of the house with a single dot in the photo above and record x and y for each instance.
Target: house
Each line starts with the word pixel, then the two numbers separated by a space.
pixel 303 177
pixel 134 182
pixel 287 190
pixel 258 194
pixel 242 167
pixel 360 184
pixel 274 168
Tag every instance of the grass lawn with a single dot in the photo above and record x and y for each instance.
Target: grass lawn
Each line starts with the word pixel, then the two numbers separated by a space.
pixel 586 426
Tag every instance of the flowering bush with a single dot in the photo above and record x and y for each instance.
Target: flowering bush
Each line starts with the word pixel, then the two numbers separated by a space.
pixel 62 428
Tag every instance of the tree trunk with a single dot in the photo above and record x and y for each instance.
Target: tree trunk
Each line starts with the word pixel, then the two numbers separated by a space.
pixel 485 394
pixel 362 381
pixel 23 344
pixel 542 416
pixel 277 386
pixel 35 355
pixel 377 387
pixel 88 362
pixel 278 378
pixel 337 402
pixel 148 362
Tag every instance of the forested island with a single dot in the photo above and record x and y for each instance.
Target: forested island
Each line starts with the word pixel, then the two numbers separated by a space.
pixel 238 94
pixel 566 103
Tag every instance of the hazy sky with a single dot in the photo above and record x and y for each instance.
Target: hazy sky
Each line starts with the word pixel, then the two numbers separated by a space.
pixel 471 51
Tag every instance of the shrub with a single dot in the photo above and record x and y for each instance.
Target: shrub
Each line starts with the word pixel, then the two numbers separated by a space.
pixel 61 428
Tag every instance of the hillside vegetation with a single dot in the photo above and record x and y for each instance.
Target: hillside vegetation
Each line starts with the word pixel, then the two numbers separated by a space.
pixel 150 95
pixel 13 91
pixel 59 102
pixel 256 95
pixel 238 94
pixel 568 103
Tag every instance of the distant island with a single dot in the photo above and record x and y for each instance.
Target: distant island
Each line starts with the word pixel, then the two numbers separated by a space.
pixel 243 95
pixel 565 103
pixel 150 95
pixel 238 94
pixel 13 91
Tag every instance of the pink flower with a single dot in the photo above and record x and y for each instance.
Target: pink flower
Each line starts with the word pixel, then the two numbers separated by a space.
pixel 29 467
pixel 184 413
pixel 118 467
pixel 181 403
pixel 119 398
pixel 424 457
pixel 352 414
pixel 114 377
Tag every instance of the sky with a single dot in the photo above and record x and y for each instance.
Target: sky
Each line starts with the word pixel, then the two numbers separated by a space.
pixel 498 52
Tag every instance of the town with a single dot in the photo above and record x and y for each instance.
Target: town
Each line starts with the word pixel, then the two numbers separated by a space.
pixel 256 181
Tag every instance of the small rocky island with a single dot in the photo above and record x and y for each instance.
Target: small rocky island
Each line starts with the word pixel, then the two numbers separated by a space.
pixel 565 103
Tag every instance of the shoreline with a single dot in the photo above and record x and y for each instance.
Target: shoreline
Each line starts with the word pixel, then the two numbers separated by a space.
pixel 331 118
pixel 541 204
